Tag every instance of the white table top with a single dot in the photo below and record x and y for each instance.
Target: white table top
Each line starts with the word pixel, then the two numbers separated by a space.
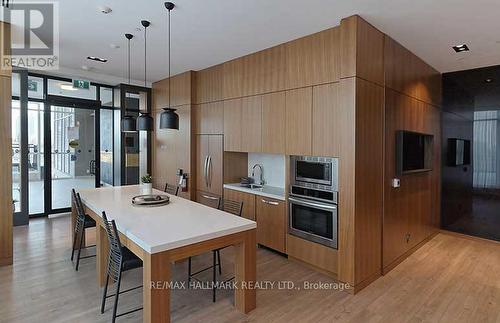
pixel 181 222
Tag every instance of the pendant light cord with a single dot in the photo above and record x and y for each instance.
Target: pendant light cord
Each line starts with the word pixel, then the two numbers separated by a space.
pixel 128 61
pixel 169 77
pixel 145 57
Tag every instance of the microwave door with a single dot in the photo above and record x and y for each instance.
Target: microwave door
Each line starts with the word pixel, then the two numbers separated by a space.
pixel 313 172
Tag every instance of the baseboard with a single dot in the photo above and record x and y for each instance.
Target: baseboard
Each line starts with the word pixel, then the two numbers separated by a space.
pixel 468 237
pixel 401 258
pixel 361 285
pixel 6 261
pixel 313 267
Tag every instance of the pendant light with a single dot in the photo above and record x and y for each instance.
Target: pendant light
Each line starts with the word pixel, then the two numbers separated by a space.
pixel 145 122
pixel 168 118
pixel 128 121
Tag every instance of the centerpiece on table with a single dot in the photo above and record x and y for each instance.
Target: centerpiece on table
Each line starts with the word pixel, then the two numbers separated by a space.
pixel 147 185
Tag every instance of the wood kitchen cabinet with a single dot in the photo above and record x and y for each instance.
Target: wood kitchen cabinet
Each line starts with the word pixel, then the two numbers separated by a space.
pixel 209 163
pixel 207 199
pixel 247 199
pixel 209 118
pixel 251 124
pixel 232 125
pixel 326 121
pixel 270 215
pixel 299 121
pixel 273 123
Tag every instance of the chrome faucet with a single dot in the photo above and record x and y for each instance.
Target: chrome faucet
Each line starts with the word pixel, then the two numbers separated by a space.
pixel 261 179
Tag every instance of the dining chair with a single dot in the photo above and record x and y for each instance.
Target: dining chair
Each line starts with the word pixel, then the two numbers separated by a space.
pixel 229 206
pixel 83 221
pixel 120 259
pixel 171 189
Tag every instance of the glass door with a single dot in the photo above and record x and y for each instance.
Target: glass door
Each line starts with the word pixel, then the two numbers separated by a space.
pixel 73 157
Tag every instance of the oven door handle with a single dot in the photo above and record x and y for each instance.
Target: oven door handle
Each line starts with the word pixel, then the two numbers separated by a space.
pixel 307 203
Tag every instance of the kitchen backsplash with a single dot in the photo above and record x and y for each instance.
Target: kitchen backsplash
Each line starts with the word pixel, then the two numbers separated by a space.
pixel 274 168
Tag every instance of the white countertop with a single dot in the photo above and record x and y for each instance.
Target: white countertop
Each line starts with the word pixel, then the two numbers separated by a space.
pixel 181 222
pixel 267 191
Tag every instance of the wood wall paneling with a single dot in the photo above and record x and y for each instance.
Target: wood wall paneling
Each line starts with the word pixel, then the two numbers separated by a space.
pixel 181 87
pixel 208 84
pixel 247 199
pixel 408 74
pixel 369 179
pixel 327 120
pixel 172 151
pixel 314 59
pixel 232 124
pixel 209 118
pixel 264 71
pixel 6 221
pixel 273 123
pixel 251 124
pixel 299 121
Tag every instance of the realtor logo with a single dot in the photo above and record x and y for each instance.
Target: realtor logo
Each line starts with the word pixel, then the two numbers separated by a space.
pixel 34 35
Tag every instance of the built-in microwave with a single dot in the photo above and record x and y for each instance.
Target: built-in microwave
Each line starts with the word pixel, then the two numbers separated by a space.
pixel 318 172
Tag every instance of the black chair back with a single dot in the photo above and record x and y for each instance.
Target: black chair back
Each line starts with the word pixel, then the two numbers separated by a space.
pixel 171 189
pixel 232 207
pixel 115 248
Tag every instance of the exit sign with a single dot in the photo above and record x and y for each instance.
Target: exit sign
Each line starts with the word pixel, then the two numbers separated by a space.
pixel 81 84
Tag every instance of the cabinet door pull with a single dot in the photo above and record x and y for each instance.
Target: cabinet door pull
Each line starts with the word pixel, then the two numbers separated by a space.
pixel 270 202
pixel 210 197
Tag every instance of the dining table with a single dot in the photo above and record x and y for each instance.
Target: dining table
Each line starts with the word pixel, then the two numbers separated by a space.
pixel 163 235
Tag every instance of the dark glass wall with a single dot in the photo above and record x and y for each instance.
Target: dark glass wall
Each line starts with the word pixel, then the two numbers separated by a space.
pixel 471 119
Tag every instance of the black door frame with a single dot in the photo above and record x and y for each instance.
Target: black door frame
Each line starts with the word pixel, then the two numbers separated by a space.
pixel 77 103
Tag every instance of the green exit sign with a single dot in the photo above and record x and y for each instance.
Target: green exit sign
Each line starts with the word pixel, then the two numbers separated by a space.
pixel 32 86
pixel 81 84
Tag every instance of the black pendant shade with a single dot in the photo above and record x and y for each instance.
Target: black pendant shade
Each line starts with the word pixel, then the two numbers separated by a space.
pixel 169 119
pixel 128 124
pixel 145 122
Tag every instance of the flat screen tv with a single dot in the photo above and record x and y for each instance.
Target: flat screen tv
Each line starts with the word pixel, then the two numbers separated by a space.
pixel 458 152
pixel 413 152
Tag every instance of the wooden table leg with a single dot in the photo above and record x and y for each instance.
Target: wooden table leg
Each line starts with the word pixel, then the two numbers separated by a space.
pixel 156 287
pixel 102 250
pixel 245 268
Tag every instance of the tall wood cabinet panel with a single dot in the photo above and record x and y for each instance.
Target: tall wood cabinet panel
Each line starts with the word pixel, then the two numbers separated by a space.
pixel 181 91
pixel 271 223
pixel 298 121
pixel 232 80
pixel 314 59
pixel 248 200
pixel 264 71
pixel 209 163
pixel 327 120
pixel 251 124
pixel 208 84
pixel 273 123
pixel 232 124
pixel 209 118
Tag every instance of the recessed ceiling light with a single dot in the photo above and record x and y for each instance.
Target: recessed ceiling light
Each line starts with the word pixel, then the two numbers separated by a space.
pixel 461 48
pixel 97 59
pixel 67 87
pixel 488 80
pixel 105 9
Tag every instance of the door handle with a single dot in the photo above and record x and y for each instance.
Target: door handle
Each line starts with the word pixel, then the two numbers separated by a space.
pixel 205 175
pixel 209 197
pixel 312 204
pixel 269 202
pixel 209 171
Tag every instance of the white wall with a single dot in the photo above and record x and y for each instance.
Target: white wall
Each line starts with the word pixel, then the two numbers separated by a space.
pixel 274 168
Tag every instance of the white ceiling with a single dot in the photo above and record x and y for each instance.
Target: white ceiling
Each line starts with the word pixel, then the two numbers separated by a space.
pixel 205 33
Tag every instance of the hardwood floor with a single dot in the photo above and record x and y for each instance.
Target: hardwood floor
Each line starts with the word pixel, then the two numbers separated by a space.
pixel 450 279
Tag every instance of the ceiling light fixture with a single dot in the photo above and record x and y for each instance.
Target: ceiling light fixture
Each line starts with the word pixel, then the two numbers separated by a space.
pixel 105 10
pixel 97 59
pixel 145 122
pixel 488 80
pixel 128 121
pixel 168 118
pixel 461 48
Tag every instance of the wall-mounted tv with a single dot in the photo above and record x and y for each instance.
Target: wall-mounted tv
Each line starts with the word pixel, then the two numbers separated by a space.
pixel 458 152
pixel 414 152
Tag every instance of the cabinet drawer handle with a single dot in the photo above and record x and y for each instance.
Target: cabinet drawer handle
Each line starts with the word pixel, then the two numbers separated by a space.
pixel 210 197
pixel 270 202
